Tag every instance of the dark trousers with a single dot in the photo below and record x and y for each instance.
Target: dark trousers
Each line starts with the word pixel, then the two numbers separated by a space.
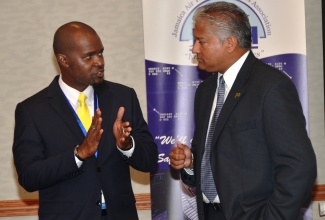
pixel 213 212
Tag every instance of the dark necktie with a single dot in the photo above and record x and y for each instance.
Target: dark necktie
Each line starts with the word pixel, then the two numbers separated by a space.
pixel 208 185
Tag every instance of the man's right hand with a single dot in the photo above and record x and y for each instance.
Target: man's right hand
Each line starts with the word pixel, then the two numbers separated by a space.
pixel 181 157
pixel 89 146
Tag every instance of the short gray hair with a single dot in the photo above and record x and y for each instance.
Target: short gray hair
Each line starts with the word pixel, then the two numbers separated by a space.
pixel 228 20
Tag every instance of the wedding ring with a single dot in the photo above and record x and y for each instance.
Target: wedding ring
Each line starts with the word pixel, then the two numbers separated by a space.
pixel 123 130
pixel 93 127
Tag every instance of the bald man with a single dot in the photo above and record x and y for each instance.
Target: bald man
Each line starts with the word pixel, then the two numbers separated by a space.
pixel 80 164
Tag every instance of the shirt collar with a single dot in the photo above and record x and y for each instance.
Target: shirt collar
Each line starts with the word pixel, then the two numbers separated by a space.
pixel 230 75
pixel 73 94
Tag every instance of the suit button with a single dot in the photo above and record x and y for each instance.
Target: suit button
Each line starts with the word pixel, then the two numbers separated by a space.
pixel 98 203
pixel 99 169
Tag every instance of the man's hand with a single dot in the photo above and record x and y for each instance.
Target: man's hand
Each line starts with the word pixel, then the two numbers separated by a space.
pixel 90 144
pixel 180 157
pixel 121 131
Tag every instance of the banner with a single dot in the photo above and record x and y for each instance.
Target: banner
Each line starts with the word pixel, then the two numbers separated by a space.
pixel 172 77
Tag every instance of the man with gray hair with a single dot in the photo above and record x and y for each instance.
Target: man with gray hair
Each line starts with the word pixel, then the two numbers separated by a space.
pixel 251 157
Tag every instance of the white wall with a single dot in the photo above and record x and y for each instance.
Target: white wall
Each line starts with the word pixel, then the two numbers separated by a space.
pixel 27 65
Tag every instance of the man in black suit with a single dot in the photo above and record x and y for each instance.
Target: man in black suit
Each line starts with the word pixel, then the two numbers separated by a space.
pixel 262 164
pixel 82 175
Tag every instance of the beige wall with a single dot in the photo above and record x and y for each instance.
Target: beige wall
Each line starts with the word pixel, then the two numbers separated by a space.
pixel 27 65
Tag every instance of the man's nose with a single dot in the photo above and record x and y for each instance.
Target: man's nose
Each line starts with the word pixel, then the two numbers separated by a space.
pixel 195 48
pixel 99 60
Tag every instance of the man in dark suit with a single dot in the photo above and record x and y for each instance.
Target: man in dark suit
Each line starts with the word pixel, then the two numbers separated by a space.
pixel 261 161
pixel 82 175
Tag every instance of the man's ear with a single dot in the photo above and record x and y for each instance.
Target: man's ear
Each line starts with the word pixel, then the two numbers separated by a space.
pixel 232 43
pixel 62 60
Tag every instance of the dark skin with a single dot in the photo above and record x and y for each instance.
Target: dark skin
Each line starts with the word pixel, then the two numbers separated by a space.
pixel 79 52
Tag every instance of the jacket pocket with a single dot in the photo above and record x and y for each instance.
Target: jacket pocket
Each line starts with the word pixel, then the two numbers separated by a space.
pixel 244 126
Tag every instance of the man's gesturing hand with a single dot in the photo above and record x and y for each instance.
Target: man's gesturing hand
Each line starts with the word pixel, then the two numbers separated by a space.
pixel 180 156
pixel 121 131
pixel 90 144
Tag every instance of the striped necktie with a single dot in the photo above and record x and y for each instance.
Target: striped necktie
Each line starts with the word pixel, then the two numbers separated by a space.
pixel 83 112
pixel 208 185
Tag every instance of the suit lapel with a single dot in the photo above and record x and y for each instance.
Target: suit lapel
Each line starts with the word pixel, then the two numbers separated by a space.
pixel 61 106
pixel 105 104
pixel 235 94
pixel 207 102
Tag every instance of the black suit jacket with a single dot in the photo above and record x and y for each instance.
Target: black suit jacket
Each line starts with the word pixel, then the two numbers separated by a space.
pixel 46 133
pixel 262 160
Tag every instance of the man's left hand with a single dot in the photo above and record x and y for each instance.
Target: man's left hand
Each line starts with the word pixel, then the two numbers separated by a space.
pixel 121 131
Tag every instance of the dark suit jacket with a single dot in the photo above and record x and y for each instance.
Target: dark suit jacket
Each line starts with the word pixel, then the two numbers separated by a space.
pixel 262 161
pixel 46 133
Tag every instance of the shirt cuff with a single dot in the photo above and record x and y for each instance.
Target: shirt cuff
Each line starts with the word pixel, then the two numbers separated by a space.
pixel 78 162
pixel 129 152
pixel 189 171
